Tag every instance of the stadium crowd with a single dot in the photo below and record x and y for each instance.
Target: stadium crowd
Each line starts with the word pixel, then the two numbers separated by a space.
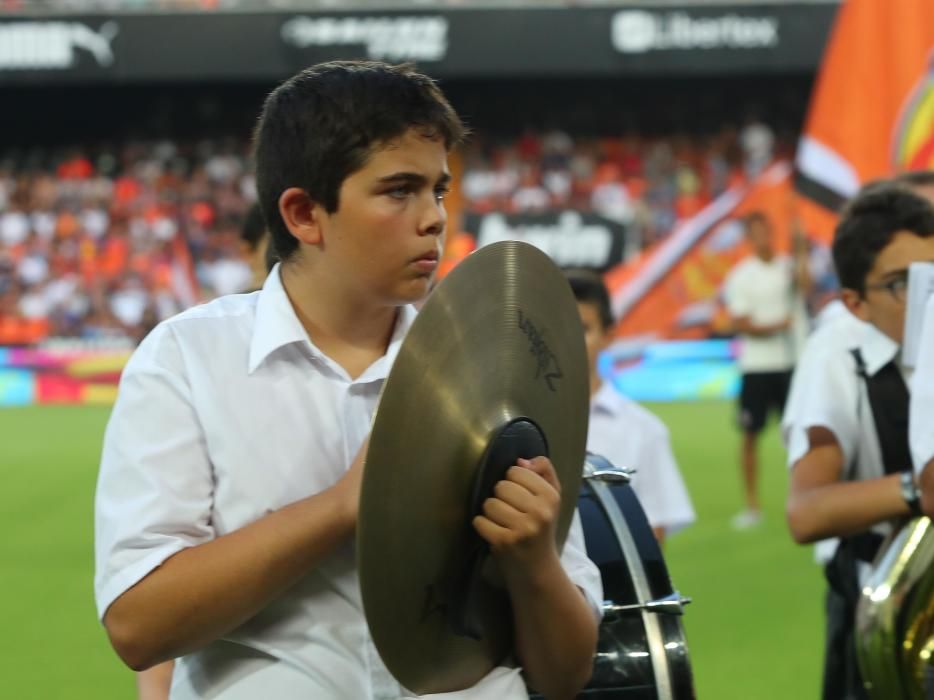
pixel 105 241
pixel 212 5
pixel 647 183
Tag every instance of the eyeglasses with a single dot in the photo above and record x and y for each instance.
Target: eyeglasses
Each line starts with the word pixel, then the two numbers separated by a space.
pixel 896 286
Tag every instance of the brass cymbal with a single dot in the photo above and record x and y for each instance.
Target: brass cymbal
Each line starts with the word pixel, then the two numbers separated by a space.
pixel 499 339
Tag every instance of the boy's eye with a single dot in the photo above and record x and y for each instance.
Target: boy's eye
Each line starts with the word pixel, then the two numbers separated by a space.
pixel 400 192
pixel 442 192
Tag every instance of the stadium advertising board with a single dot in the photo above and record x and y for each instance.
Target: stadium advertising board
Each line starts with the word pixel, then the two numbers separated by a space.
pixel 56 45
pixel 60 374
pixel 393 39
pixel 570 238
pixel 463 42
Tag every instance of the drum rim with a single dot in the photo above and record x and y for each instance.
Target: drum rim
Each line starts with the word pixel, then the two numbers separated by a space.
pixel 657 652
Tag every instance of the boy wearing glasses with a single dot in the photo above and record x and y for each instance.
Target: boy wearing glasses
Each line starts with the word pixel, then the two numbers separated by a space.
pixel 851 467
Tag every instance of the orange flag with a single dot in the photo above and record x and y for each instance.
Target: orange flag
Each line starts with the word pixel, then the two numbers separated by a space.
pixel 671 290
pixel 872 110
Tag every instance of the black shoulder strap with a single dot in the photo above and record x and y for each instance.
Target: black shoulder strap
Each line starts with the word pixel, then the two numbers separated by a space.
pixel 888 399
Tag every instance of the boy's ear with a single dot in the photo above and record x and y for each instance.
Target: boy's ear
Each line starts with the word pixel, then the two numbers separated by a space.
pixel 855 303
pixel 606 337
pixel 302 215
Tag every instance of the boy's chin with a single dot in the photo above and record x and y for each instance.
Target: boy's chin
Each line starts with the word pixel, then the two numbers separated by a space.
pixel 416 292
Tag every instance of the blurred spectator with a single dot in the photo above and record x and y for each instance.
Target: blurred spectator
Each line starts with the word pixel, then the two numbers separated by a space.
pixel 109 240
pixel 757 141
pixel 208 5
pixel 255 248
pixel 530 195
pixel 610 197
pixel 646 184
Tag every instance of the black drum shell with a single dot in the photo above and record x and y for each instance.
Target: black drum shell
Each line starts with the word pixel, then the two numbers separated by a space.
pixel 623 666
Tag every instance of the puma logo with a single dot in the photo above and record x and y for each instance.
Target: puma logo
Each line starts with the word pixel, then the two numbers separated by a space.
pixel 53 45
pixel 97 43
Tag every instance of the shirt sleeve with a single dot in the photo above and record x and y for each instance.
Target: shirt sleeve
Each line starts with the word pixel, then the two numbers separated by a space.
pixel 155 487
pixel 658 482
pixel 831 402
pixel 580 569
pixel 921 419
pixel 794 436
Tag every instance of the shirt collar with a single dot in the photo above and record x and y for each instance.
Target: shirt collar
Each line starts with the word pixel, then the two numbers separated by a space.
pixel 877 349
pixel 380 369
pixel 607 399
pixel 277 325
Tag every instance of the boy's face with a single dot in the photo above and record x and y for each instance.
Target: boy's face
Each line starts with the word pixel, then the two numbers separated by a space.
pixel 760 238
pixel 595 335
pixel 386 236
pixel 883 303
pixel 926 191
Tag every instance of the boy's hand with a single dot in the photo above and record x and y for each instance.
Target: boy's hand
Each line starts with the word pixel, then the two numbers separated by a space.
pixel 519 520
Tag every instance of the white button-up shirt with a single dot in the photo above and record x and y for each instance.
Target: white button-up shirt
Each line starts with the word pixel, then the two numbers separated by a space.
pixel 228 412
pixel 834 396
pixel 838 332
pixel 630 436
pixel 921 420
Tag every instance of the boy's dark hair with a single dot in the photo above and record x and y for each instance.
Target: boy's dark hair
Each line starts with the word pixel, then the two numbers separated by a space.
pixel 754 217
pixel 322 125
pixel 916 178
pixel 879 183
pixel 254 227
pixel 271 258
pixel 870 222
pixel 909 180
pixel 589 288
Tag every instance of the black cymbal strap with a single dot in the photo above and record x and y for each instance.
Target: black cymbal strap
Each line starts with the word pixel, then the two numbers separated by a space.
pixel 519 439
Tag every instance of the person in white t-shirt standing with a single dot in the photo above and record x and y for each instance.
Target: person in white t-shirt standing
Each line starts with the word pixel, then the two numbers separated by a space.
pixel 624 432
pixel 764 297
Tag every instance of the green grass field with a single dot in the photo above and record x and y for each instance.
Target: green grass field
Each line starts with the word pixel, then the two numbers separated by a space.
pixel 754 629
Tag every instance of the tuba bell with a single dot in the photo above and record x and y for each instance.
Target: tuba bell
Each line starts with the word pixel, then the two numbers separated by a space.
pixel 895 617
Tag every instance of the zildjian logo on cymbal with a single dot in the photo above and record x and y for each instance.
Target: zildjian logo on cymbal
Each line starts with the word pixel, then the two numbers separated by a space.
pixel 543 355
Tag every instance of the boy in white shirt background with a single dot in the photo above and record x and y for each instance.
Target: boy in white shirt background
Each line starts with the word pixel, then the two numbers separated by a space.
pixel 624 432
pixel 834 327
pixel 848 438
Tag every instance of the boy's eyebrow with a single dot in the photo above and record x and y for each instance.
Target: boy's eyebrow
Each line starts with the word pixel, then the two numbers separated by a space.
pixel 897 272
pixel 903 271
pixel 414 178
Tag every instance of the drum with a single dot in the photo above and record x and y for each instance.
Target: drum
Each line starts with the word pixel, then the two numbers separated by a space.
pixel 642 651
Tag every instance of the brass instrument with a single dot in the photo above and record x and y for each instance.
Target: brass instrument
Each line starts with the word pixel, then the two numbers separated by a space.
pixel 895 617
